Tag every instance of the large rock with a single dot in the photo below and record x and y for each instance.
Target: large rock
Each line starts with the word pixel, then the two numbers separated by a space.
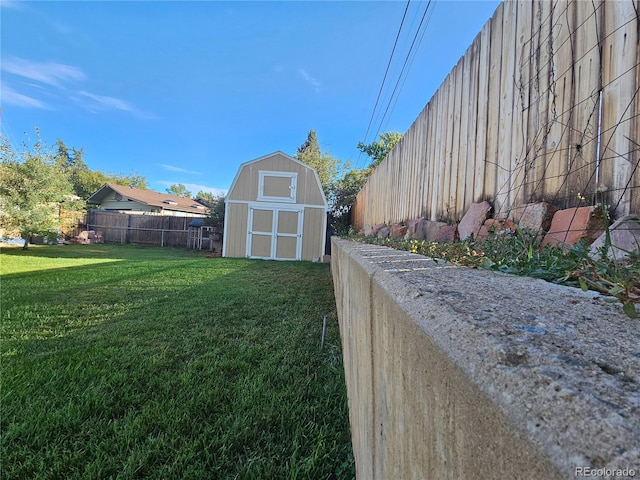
pixel 415 229
pixel 432 230
pixel 398 230
pixel 376 228
pixel 448 234
pixel 534 216
pixel 625 238
pixel 571 225
pixel 496 226
pixel 473 219
pixel 423 229
pixel 384 232
pixel 368 230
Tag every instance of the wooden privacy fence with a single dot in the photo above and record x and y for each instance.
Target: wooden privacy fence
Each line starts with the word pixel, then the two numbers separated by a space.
pixel 544 105
pixel 163 231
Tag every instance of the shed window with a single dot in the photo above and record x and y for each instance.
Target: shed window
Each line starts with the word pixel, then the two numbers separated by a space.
pixel 277 186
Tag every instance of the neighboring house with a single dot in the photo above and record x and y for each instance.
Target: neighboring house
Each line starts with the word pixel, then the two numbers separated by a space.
pixel 275 209
pixel 117 198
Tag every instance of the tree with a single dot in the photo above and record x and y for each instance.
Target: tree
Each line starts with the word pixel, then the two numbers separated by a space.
pixel 179 190
pixel 342 196
pixel 208 197
pixel 32 191
pixel 70 163
pixel 324 163
pixel 343 192
pixel 216 212
pixel 377 151
pixel 85 181
pixel 133 180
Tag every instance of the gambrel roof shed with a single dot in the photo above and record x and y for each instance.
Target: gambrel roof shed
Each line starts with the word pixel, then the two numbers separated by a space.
pixel 275 209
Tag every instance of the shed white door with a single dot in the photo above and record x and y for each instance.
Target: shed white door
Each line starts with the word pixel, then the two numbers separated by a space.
pixel 275 233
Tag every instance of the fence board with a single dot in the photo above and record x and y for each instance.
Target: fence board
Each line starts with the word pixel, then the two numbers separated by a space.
pixel 507 104
pixel 522 74
pixel 493 126
pixel 537 125
pixel 156 230
pixel 460 147
pixel 482 124
pixel 468 135
pixel 635 142
pixel 583 153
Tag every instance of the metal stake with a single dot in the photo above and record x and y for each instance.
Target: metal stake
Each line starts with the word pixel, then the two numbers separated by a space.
pixel 324 331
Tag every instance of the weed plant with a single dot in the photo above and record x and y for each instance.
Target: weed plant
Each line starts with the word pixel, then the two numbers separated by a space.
pixel 138 362
pixel 519 253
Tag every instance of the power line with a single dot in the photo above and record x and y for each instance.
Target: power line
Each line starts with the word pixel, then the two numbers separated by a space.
pixel 385 75
pixel 406 61
pixel 410 65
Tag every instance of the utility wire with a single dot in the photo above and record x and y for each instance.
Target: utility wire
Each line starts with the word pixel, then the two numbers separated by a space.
pixel 406 61
pixel 385 75
pixel 410 64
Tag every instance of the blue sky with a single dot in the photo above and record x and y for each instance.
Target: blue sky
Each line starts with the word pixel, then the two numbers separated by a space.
pixel 184 92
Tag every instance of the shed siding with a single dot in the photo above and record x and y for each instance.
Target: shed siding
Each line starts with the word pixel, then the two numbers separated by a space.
pixel 313 245
pixel 236 230
pixel 246 186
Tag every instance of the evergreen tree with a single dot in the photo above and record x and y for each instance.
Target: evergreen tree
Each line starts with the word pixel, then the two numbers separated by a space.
pixel 324 163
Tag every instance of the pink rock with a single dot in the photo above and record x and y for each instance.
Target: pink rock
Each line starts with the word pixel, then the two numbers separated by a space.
pixel 625 238
pixel 473 219
pixel 432 229
pixel 414 229
pixel 384 232
pixel 573 224
pixel 376 228
pixel 496 226
pixel 448 234
pixel 398 230
pixel 534 216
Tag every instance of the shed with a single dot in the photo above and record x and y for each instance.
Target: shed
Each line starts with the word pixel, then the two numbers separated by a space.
pixel 275 209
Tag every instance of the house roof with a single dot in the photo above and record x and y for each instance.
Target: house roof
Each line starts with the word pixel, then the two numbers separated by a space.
pixel 149 197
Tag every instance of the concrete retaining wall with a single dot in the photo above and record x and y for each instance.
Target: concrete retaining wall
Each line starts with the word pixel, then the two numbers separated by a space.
pixel 456 373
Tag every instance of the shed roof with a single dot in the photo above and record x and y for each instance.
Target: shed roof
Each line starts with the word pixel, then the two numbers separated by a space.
pixel 149 197
pixel 288 157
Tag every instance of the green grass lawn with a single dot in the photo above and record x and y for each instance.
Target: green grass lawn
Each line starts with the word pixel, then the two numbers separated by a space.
pixel 140 362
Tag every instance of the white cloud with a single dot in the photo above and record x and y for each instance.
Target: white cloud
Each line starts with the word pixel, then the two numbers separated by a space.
pixel 58 75
pixel 12 97
pixel 171 168
pixel 312 81
pixel 107 103
pixel 103 102
pixel 50 73
pixel 11 4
